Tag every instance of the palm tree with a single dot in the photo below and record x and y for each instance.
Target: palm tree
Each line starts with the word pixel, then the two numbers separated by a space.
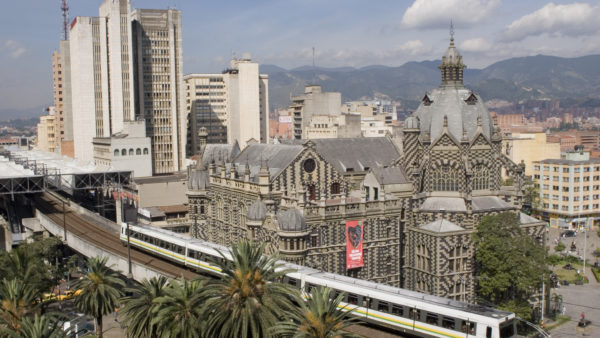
pixel 320 316
pixel 18 300
pixel 22 265
pixel 179 312
pixel 43 326
pixel 100 290
pixel 139 307
pixel 248 298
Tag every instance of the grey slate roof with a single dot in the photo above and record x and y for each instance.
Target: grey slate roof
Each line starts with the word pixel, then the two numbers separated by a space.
pixel 198 179
pixel 291 220
pixel 444 203
pixel 450 102
pixel 357 154
pixel 257 211
pixel 489 203
pixel 390 175
pixel 220 153
pixel 276 156
pixel 441 225
pixel 526 219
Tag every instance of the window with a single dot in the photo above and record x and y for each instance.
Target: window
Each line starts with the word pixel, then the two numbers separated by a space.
pixel 423 258
pixel 309 165
pixel 124 152
pixel 375 194
pixel 566 170
pixel 116 152
pixel 445 178
pixel 130 151
pixel 458 259
pixel 481 177
pixel 138 151
pixel 335 188
pixel 145 151
pixel 312 192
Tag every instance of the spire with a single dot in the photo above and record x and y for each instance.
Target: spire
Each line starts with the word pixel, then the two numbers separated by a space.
pixel 202 136
pixel 452 65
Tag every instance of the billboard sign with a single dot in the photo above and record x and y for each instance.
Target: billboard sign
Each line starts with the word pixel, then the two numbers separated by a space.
pixel 354 244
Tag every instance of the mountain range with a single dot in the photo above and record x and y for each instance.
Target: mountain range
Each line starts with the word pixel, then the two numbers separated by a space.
pixel 512 80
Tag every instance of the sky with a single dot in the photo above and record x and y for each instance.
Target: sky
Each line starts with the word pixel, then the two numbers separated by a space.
pixel 353 33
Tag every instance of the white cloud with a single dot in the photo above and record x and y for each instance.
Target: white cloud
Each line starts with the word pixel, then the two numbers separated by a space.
pixel 564 20
pixel 13 48
pixel 438 13
pixel 414 47
pixel 476 45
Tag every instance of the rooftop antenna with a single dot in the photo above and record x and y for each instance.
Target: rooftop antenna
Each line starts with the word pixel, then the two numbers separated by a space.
pixel 451 30
pixel 314 67
pixel 65 14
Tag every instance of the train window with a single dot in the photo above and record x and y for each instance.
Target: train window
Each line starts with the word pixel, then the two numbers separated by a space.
pixel 448 323
pixel 396 310
pixel 352 299
pixel 468 326
pixel 414 314
pixel 431 318
pixel 293 282
pixel 309 287
pixel 488 332
pixel 365 301
pixel 383 307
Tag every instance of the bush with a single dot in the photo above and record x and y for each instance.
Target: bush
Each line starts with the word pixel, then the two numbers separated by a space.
pixel 596 272
pixel 559 247
pixel 554 260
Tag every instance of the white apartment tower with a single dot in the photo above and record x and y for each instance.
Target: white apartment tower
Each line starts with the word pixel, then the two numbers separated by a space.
pixel 101 81
pixel 232 106
pixel 158 91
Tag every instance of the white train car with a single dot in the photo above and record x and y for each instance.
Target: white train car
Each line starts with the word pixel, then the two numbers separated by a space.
pixel 399 309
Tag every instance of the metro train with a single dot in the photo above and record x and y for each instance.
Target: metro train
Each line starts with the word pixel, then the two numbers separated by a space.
pixel 398 309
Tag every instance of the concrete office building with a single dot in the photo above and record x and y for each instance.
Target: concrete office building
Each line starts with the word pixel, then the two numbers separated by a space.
pixel 128 149
pixel 157 56
pixel 529 147
pixel 569 188
pixel 61 80
pixel 232 106
pixel 102 93
pixel 313 102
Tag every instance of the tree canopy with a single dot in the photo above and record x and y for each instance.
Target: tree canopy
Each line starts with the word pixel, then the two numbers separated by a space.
pixel 510 264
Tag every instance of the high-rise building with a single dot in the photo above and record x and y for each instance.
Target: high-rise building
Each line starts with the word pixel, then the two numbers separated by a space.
pixel 232 106
pixel 102 93
pixel 61 80
pixel 158 85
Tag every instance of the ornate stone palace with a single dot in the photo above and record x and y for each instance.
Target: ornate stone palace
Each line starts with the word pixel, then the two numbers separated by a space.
pixel 420 197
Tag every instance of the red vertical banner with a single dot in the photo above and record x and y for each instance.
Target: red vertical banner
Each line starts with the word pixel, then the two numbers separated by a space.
pixel 354 244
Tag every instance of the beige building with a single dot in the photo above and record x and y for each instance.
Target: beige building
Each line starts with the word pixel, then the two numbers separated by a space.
pixel 102 81
pixel 333 126
pixel 569 188
pixel 46 132
pixel 232 106
pixel 314 102
pixel 61 82
pixel 157 53
pixel 529 147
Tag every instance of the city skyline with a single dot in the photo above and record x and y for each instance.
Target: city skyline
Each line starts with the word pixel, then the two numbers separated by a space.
pixel 343 34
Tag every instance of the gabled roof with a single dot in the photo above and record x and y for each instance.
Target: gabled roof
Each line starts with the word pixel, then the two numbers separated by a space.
pixel 444 203
pixel 220 153
pixel 441 225
pixel 526 219
pixel 356 154
pixel 390 175
pixel 489 203
pixel 276 156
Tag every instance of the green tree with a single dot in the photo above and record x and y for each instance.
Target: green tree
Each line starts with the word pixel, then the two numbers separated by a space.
pixel 139 307
pixel 18 300
pixel 510 264
pixel 43 326
pixel 532 196
pixel 559 247
pixel 248 298
pixel 100 290
pixel 318 317
pixel 553 260
pixel 179 312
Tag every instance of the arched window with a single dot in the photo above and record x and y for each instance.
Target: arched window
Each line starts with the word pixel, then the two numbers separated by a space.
pixel 116 152
pixel 124 152
pixel 312 192
pixel 445 178
pixel 130 151
pixel 335 188
pixel 138 151
pixel 145 151
pixel 481 177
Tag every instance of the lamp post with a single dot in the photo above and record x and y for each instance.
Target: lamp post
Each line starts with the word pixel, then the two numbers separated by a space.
pixel 64 221
pixel 129 274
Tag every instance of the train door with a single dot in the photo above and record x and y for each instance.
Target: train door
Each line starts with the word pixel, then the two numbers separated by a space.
pixel 488 332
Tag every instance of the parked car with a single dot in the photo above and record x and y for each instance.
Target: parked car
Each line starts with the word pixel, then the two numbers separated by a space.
pixel 569 233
